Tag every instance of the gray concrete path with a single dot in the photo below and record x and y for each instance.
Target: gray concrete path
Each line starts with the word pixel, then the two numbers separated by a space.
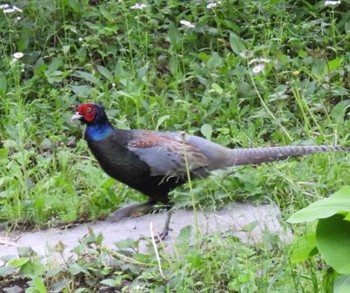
pixel 246 221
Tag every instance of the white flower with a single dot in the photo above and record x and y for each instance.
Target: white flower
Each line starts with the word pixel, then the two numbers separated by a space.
pixel 80 39
pixel 18 18
pixel 213 4
pixel 113 84
pixel 258 68
pixel 18 55
pixel 331 3
pixel 17 9
pixel 187 24
pixel 259 60
pixel 138 6
pixel 7 9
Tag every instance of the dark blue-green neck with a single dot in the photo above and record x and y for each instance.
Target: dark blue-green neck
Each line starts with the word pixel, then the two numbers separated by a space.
pixel 98 132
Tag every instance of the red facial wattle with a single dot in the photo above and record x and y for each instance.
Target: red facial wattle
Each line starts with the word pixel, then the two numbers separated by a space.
pixel 88 111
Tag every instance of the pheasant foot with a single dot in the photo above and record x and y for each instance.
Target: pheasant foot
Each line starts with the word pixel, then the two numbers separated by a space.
pixel 133 211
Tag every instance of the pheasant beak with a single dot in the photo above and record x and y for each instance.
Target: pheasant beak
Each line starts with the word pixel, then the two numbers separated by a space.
pixel 76 116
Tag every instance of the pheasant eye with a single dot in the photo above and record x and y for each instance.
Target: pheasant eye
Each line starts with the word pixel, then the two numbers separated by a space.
pixel 88 109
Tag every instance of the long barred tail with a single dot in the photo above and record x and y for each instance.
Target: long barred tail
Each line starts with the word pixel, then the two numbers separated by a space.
pixel 269 154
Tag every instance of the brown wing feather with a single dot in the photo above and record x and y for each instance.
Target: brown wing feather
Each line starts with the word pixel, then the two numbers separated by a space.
pixel 165 153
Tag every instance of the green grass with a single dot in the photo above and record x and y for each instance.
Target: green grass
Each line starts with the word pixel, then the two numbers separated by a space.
pixel 151 72
pixel 210 263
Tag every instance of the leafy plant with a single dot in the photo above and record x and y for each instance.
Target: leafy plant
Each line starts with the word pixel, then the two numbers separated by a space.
pixel 331 237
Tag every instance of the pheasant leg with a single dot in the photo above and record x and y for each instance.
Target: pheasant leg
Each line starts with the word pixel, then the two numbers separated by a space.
pixel 162 235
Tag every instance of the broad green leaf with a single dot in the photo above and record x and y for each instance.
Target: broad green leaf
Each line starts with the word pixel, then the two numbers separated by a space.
pixel 207 131
pixel 105 72
pixel 335 64
pixel 75 269
pixel 339 111
pixel 6 258
pixel 174 65
pixel 319 68
pixel 228 23
pixel 54 271
pixel 87 76
pixel 33 268
pixel 125 244
pixel 119 71
pixel 342 284
pixel 75 5
pixel 184 238
pixel 217 89
pixel 81 90
pixel 347 217
pixel 195 260
pixel 333 242
pixel 161 120
pixel 236 43
pixel 303 248
pixel 54 65
pixel 106 13
pixel 40 68
pixel 23 42
pixel 124 94
pixel 203 56
pixel 282 58
pixel 109 282
pixel 99 239
pixel 141 74
pixel 302 53
pixel 174 36
pixel 324 208
pixel 214 61
pixel 6 271
pixel 39 285
pixel 18 262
